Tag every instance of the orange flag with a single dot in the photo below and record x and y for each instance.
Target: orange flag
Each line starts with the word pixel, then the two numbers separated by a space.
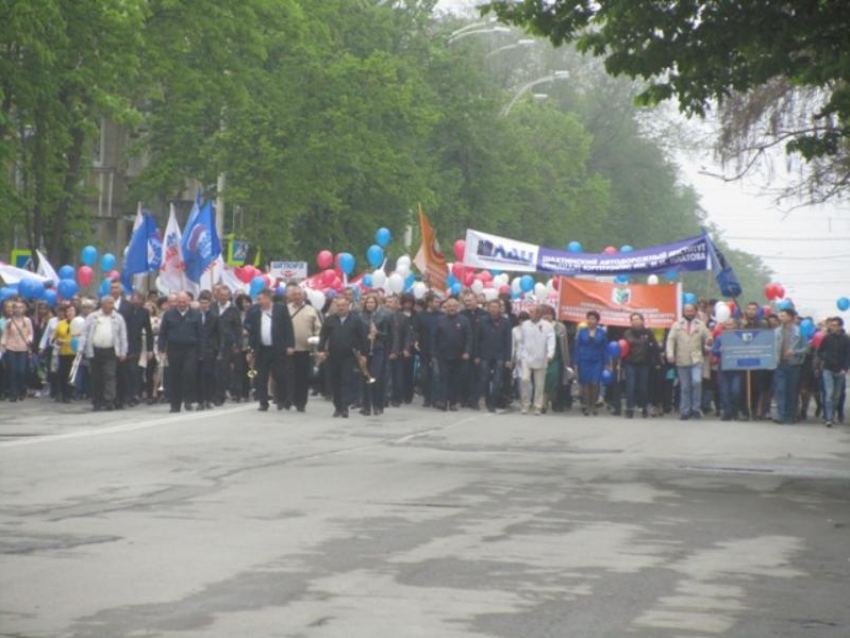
pixel 429 260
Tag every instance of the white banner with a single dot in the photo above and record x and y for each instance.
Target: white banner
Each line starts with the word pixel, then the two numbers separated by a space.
pixel 288 270
pixel 492 252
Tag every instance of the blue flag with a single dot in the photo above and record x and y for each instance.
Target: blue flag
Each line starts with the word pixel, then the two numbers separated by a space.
pixel 724 274
pixel 201 245
pixel 144 251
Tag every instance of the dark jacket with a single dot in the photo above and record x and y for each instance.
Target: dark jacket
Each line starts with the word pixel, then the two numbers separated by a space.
pixel 179 330
pixel 401 332
pixel 381 319
pixel 834 352
pixel 643 348
pixel 452 337
pixel 210 335
pixel 230 325
pixel 283 336
pixel 137 321
pixel 340 338
pixel 424 325
pixel 493 339
pixel 475 317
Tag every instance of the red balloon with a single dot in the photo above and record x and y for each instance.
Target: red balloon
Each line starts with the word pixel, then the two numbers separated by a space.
pixel 460 249
pixel 114 275
pixel 337 284
pixel 767 311
pixel 485 276
pixel 624 348
pixel 458 270
pixel 816 340
pixel 468 278
pixel 268 280
pixel 328 277
pixel 717 331
pixel 780 291
pixel 324 259
pixel 733 307
pixel 610 250
pixel 556 283
pixel 84 275
pixel 770 291
pixel 505 289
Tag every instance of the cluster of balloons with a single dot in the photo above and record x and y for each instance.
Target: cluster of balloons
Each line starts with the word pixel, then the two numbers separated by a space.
pixel 618 349
pixel 774 291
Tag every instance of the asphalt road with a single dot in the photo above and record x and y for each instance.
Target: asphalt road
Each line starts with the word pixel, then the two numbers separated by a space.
pixel 237 523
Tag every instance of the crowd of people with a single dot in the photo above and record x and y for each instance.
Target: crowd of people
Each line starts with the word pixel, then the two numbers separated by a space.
pixel 380 351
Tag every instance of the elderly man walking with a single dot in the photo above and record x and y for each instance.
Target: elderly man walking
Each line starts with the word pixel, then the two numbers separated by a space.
pixel 536 350
pixel 105 347
pixel 687 344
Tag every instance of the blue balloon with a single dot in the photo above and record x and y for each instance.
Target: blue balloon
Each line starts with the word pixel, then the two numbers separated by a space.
pixel 67 288
pixel 614 349
pixel 514 294
pixel 258 284
pixel 88 255
pixel 367 280
pixel 330 293
pixel 75 344
pixel 843 304
pixel 526 283
pixel 456 288
pixel 689 298
pixel 626 249
pixel 607 377
pixel 382 237
pixel 25 288
pixel 671 275
pixel 107 262
pixel 7 293
pixel 50 297
pixel 375 256
pixel 451 280
pixel 785 304
pixel 105 286
pixel 38 290
pixel 67 272
pixel 621 279
pixel 346 263
pixel 355 290
pixel 807 329
pixel 574 247
pixel 408 283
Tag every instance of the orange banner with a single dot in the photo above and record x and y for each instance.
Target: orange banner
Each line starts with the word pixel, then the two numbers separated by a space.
pixel 658 304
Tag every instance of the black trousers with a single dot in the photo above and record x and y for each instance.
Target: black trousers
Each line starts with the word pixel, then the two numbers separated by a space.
pixel 207 387
pixel 450 373
pixel 298 378
pixel 182 373
pixel 426 378
pixel 104 367
pixel 340 377
pixel 223 375
pixel 124 381
pixel 240 385
pixel 269 363
pixel 66 388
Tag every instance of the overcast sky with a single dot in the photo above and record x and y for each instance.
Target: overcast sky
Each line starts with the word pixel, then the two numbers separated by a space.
pixel 808 248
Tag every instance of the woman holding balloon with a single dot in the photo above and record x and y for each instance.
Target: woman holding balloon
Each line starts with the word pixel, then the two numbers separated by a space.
pixel 68 344
pixel 591 359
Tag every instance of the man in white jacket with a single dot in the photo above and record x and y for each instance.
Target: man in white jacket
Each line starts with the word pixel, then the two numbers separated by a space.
pixel 536 349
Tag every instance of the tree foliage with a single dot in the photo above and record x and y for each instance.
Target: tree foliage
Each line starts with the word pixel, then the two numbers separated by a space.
pixel 702 52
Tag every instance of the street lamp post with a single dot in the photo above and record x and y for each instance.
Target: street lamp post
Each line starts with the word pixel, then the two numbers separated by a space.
pixel 497 29
pixel 552 77
pixel 519 44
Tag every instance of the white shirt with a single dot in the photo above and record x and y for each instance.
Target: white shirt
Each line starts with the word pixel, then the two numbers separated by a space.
pixel 47 336
pixel 537 344
pixel 266 328
pixel 103 337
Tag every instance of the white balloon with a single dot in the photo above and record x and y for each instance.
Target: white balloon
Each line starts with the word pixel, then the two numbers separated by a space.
pixel 516 286
pixel 652 280
pixel 317 299
pixel 419 290
pixel 501 279
pixel 477 286
pixel 490 294
pixel 404 260
pixel 379 278
pixel 540 290
pixel 722 312
pixel 403 270
pixel 395 283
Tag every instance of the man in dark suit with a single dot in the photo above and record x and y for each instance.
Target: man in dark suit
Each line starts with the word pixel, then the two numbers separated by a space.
pixel 209 353
pixel 179 343
pixel 452 349
pixel 342 334
pixel 128 378
pixel 230 325
pixel 271 338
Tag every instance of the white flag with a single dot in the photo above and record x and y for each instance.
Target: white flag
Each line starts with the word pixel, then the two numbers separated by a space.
pixel 45 269
pixel 172 272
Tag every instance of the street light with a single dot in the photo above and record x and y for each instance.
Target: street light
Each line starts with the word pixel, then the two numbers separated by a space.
pixel 519 44
pixel 552 77
pixel 474 25
pixel 497 29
